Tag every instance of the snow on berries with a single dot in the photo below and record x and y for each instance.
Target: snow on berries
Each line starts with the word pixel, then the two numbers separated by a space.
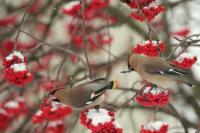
pixel 38 117
pixel 155 127
pixel 15 69
pixel 55 127
pixel 71 8
pixel 11 109
pixel 52 111
pixel 14 58
pixel 74 8
pixel 145 9
pixel 100 121
pixel 149 48
pixel 185 60
pixel 135 3
pixel 18 74
pixel 181 33
pixel 94 10
pixel 152 96
pixel 15 107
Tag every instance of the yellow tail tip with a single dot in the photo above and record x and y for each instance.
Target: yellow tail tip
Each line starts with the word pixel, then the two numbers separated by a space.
pixel 116 84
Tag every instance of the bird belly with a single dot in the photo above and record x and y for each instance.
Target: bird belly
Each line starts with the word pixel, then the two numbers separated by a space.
pixel 161 81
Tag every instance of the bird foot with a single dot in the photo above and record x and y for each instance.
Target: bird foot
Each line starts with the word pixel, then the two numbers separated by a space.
pixel 97 107
pixel 111 107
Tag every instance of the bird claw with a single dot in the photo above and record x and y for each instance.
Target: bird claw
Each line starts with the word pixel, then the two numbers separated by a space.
pixel 97 107
pixel 111 107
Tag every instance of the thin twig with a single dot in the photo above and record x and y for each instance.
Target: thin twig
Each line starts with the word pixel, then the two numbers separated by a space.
pixel 109 47
pixel 84 38
pixel 60 67
pixel 182 42
pixel 20 25
pixel 176 113
pixel 73 124
pixel 150 27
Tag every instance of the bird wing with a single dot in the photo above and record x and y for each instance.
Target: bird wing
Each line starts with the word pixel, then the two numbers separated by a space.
pixel 86 93
pixel 92 83
pixel 164 69
pixel 96 94
pixel 98 80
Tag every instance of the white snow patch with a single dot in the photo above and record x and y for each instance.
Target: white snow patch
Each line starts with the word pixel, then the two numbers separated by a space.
pixel 12 104
pixel 98 117
pixel 55 123
pixel 15 53
pixel 69 5
pixel 153 4
pixel 39 113
pixel 154 91
pixel 106 37
pixel 154 126
pixel 19 67
pixel 154 42
pixel 56 105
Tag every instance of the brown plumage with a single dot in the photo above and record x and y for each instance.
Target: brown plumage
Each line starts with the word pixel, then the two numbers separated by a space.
pixel 158 71
pixel 84 95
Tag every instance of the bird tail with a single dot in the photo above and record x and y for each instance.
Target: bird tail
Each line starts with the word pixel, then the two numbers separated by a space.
pixel 114 84
pixel 111 85
pixel 186 82
pixel 190 84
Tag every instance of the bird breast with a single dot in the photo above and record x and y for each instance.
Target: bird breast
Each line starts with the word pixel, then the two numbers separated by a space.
pixel 159 80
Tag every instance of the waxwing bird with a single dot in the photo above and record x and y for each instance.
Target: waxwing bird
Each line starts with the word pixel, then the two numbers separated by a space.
pixel 87 94
pixel 158 71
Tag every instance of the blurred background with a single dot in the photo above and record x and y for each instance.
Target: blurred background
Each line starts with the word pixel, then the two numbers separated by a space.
pixel 50 36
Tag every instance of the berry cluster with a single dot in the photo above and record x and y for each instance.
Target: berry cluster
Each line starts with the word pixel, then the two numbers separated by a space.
pixel 93 41
pixel 145 9
pixel 15 107
pixel 51 111
pixel 74 8
pixel 151 96
pixel 154 127
pixel 149 48
pixel 100 121
pixel 10 110
pixel 185 60
pixel 55 127
pixel 93 11
pixel 182 33
pixel 16 71
pixel 9 20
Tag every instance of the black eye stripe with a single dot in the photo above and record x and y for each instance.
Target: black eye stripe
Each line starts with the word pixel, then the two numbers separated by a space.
pixel 56 100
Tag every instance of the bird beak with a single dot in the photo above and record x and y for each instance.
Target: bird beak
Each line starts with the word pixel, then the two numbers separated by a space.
pixel 115 84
